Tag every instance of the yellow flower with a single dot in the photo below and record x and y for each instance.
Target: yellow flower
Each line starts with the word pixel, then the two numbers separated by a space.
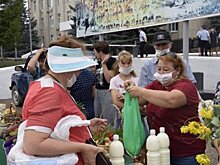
pixel 203 159
pixel 209 115
pixel 194 124
pixel 206 113
pixel 194 127
pixel 204 130
pixel 184 129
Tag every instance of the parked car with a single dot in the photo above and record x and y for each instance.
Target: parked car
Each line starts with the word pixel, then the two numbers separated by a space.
pixel 20 81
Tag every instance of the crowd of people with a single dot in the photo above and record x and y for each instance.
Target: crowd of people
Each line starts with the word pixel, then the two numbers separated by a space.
pixel 165 89
pixel 208 41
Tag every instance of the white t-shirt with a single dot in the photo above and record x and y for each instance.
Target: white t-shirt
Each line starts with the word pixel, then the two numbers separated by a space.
pixel 142 37
pixel 118 84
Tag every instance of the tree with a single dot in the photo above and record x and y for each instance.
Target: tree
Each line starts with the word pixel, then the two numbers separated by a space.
pixel 215 22
pixel 10 29
pixel 25 35
pixel 14 27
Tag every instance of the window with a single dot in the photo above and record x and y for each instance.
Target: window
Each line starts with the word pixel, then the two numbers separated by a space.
pixel 42 40
pixel 51 21
pixel 42 23
pixel 173 27
pixel 42 4
pixel 69 15
pixel 35 5
pixel 42 32
pixel 50 3
pixel 51 37
pixel 58 18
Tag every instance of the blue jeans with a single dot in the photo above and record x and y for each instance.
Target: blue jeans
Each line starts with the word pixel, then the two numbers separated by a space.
pixel 190 160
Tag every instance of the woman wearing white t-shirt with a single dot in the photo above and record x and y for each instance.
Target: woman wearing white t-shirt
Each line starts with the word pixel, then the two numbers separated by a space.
pixel 126 72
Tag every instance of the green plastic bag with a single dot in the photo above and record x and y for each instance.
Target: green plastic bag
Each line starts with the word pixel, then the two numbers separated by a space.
pixel 133 130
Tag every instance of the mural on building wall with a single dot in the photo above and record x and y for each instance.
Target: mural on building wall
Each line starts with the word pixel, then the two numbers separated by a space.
pixel 104 16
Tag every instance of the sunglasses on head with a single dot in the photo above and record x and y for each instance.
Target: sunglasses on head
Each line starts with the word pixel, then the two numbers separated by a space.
pixel 172 54
pixel 161 44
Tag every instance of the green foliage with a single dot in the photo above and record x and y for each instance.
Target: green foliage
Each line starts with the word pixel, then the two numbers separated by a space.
pixel 10 14
pixel 215 22
pixel 14 27
pixel 215 121
pixel 216 110
pixel 25 35
pixel 7 62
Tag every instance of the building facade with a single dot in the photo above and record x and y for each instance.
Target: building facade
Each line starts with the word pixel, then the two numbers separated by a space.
pixel 52 16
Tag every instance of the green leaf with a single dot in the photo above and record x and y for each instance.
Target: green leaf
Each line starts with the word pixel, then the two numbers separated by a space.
pixel 216 109
pixel 217 132
pixel 215 121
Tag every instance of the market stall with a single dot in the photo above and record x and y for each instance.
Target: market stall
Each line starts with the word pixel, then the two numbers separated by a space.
pixel 10 120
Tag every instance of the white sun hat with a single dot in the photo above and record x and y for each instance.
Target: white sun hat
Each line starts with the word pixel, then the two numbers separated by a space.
pixel 61 59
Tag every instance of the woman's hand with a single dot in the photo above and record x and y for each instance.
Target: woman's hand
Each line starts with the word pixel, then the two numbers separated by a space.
pixel 97 124
pixel 89 153
pixel 128 83
pixel 134 91
pixel 105 60
pixel 216 145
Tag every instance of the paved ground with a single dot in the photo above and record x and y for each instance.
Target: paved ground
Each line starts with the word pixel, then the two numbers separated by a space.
pixel 209 150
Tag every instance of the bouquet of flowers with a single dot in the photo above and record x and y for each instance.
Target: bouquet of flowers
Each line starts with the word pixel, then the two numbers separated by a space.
pixel 207 129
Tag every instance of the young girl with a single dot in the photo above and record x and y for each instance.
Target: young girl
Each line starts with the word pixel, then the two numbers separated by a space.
pixel 126 72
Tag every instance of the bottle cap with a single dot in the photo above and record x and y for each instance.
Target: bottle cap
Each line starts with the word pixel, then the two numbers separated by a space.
pixel 162 129
pixel 152 132
pixel 115 137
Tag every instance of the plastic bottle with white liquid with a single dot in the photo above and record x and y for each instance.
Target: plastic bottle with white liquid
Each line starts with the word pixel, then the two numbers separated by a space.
pixel 116 151
pixel 164 147
pixel 152 145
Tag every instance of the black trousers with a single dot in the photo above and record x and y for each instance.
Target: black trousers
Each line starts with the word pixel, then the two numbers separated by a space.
pixel 204 47
pixel 142 49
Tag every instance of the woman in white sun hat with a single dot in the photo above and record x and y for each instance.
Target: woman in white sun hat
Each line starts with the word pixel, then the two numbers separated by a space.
pixel 48 101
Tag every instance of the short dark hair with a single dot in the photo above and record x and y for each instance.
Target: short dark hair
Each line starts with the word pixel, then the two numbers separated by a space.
pixel 101 46
pixel 204 26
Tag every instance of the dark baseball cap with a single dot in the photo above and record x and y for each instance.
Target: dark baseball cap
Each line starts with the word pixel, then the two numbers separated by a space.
pixel 161 37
